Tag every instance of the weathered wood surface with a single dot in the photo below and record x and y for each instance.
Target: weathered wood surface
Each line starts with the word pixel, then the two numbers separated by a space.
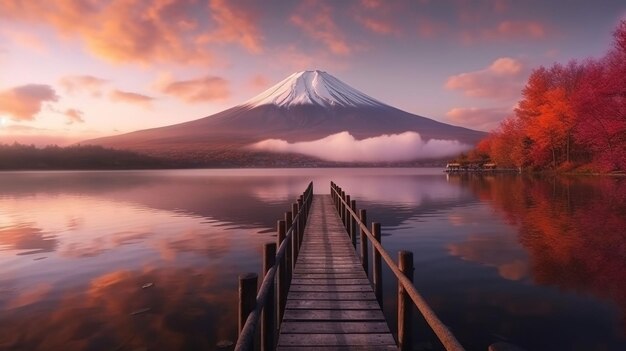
pixel 331 304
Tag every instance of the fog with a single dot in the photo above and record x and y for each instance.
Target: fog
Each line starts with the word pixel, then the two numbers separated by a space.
pixel 343 147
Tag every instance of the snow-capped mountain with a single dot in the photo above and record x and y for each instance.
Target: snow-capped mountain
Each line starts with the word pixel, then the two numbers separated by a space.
pixel 315 88
pixel 305 107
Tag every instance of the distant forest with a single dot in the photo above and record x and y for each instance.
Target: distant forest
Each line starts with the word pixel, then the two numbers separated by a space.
pixel 570 117
pixel 28 157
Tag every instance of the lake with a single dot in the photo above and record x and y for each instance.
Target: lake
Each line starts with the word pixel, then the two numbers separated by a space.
pixel 148 260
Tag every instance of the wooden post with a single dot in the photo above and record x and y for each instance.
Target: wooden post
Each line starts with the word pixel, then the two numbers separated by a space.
pixel 268 322
pixel 363 238
pixel 376 268
pixel 343 207
pixel 347 222
pixel 301 221
pixel 295 236
pixel 405 263
pixel 353 223
pixel 247 296
pixel 288 253
pixel 282 276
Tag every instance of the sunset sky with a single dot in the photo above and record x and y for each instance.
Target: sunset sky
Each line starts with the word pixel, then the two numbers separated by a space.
pixel 71 70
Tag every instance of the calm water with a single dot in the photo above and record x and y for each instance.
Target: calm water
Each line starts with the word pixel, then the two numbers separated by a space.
pixel 149 260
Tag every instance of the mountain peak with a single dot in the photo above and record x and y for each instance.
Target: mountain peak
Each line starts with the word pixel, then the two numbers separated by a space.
pixel 312 88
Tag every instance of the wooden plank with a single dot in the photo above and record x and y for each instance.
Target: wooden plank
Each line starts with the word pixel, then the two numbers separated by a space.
pixel 292 327
pixel 334 315
pixel 331 288
pixel 333 304
pixel 339 348
pixel 350 275
pixel 332 296
pixel 324 271
pixel 330 281
pixel 336 339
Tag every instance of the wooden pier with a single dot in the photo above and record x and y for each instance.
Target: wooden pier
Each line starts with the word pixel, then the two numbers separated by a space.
pixel 317 293
pixel 331 303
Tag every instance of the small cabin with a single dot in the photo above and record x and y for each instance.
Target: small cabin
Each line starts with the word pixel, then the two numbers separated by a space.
pixel 489 166
pixel 453 167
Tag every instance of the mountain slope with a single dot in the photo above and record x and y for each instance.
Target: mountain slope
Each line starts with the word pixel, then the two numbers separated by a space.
pixel 306 106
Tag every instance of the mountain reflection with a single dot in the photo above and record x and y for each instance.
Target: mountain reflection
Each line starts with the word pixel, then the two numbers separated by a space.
pixel 245 200
pixel 572 229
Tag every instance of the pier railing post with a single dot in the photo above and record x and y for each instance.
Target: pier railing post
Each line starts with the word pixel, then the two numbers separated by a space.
pixel 363 239
pixel 268 322
pixel 247 300
pixel 376 267
pixel 346 210
pixel 343 208
pixel 405 263
pixel 353 223
pixel 295 236
pixel 288 223
pixel 301 221
pixel 282 276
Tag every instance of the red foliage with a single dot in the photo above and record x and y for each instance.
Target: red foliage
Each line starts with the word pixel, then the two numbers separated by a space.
pixel 569 114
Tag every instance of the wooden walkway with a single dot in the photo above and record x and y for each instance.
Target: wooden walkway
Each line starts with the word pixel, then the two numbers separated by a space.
pixel 331 304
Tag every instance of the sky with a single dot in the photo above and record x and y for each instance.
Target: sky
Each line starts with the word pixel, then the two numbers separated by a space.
pixel 71 70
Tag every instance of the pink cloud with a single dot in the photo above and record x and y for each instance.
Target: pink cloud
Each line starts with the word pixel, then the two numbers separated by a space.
pixel 74 116
pixel 485 119
pixel 507 30
pixel 316 20
pixel 512 29
pixel 22 103
pixel 207 88
pixel 79 83
pixel 428 28
pixel 378 26
pixel 131 98
pixel 259 81
pixel 24 39
pixel 503 79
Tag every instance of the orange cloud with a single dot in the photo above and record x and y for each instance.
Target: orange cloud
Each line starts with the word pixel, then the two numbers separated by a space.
pixel 234 25
pixel 74 116
pixel 316 20
pixel 78 83
pixel 208 88
pixel 130 97
pixel 22 103
pixel 478 118
pixel 503 79
pixel 143 31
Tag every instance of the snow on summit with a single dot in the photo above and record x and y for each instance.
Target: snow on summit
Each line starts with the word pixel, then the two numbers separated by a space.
pixel 312 88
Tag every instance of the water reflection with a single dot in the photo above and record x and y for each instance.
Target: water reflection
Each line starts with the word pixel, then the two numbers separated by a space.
pixel 27 239
pixel 539 262
pixel 181 309
pixel 571 234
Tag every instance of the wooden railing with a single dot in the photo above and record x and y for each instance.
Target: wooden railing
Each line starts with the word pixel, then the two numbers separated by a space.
pixel 403 271
pixel 268 305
